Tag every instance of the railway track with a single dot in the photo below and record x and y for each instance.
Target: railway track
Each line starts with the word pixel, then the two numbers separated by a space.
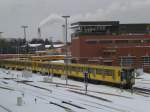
pixel 144 91
pixel 6 88
pixel 5 108
pixel 85 102
pixel 37 86
pixel 70 87
pixel 58 84
pixel 96 97
pixel 73 104
pixel 104 93
pixel 67 109
pixel 80 103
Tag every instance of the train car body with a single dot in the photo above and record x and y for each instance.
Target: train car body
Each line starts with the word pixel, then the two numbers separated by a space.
pixel 121 76
pixel 47 57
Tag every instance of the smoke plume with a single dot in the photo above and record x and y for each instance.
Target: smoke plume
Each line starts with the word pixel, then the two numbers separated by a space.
pixel 50 20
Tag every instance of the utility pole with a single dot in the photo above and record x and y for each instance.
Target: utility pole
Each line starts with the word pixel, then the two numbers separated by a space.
pixel 63 33
pixel 66 41
pixel 121 65
pixel 1 49
pixel 18 47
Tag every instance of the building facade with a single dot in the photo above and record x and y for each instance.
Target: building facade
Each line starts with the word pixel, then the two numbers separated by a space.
pixel 115 47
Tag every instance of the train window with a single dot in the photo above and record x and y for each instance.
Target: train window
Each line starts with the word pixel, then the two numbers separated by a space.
pixel 70 68
pixel 99 71
pixel 59 67
pixel 44 65
pixel 110 72
pixel 78 69
pixel 113 75
pixel 119 73
pixel 91 70
pixel 105 72
pixel 81 69
pixel 62 67
pixel 73 68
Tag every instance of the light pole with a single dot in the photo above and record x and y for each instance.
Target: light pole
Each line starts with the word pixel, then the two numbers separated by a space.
pixel 18 45
pixel 26 45
pixel 51 42
pixel 24 28
pixel 1 34
pixel 25 37
pixel 66 57
pixel 63 33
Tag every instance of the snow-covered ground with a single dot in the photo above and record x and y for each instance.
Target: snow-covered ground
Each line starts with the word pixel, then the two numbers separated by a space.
pixel 55 96
pixel 143 81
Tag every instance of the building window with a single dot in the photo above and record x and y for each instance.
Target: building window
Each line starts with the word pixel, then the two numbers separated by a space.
pixel 135 41
pixel 146 61
pixel 126 61
pixel 146 41
pixel 105 41
pixel 91 42
pixel 121 41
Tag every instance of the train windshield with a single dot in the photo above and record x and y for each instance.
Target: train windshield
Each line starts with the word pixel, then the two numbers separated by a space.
pixel 128 75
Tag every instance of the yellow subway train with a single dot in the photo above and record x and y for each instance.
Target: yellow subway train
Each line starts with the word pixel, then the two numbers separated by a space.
pixel 119 76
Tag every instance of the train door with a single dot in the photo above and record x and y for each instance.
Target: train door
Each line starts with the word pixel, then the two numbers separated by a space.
pixel 123 76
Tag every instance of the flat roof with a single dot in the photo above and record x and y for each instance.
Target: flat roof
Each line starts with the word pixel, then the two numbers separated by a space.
pixel 81 23
pixel 96 23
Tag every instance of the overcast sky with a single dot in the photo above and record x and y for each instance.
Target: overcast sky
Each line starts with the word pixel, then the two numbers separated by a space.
pixel 14 13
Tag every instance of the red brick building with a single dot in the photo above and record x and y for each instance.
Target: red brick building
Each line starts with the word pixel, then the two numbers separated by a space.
pixel 111 48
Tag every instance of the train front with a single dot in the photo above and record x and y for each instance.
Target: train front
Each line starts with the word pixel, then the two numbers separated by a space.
pixel 128 77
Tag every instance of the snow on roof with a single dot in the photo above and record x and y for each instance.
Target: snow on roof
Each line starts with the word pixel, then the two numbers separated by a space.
pixel 41 51
pixel 34 45
pixel 58 61
pixel 47 46
pixel 55 45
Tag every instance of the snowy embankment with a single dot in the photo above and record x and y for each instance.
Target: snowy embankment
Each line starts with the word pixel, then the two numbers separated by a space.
pixel 55 96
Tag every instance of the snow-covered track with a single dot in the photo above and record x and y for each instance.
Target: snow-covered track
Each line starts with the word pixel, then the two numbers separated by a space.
pixel 5 108
pixel 142 90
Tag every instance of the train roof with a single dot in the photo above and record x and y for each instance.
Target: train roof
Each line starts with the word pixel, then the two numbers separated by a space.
pixel 77 65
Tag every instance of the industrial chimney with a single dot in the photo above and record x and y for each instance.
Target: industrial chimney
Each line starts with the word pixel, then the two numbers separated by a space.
pixel 39 32
pixel 1 35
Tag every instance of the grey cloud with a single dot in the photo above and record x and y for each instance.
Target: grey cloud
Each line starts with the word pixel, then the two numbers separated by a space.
pixel 14 13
